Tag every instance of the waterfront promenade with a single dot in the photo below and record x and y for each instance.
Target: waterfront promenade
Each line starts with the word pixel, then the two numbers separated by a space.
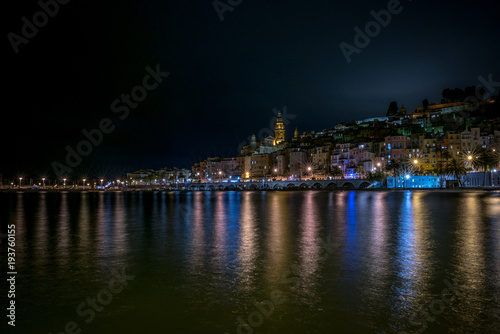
pixel 250 185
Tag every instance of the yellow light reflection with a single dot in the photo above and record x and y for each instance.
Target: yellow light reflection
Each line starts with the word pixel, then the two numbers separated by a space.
pixel 248 247
pixel 42 236
pixel 63 232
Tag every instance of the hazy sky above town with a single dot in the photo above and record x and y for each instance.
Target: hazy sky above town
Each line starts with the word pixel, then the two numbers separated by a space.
pixel 225 77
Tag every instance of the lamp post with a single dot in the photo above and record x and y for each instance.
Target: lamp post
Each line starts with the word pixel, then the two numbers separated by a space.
pixel 84 183
pixel 43 182
pixel 20 180
pixel 101 182
pixel 309 170
pixel 64 183
pixel 220 176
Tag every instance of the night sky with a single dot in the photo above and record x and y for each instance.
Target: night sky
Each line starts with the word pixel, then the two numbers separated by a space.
pixel 225 77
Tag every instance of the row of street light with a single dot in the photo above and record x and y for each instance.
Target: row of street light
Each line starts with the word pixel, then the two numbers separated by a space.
pixel 84 184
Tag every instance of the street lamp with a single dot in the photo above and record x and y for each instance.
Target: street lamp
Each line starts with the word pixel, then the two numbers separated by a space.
pixel 43 181
pixel 20 179
pixel 220 176
pixel 64 182
pixel 101 182
pixel 84 183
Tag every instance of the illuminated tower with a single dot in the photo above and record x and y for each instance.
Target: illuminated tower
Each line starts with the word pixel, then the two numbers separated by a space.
pixel 296 134
pixel 279 130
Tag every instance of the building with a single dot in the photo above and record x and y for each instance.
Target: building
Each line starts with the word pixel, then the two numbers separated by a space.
pixel 483 179
pixel 452 144
pixel 396 147
pixel 414 181
pixel 230 168
pixel 281 164
pixel 429 157
pixel 279 130
pixel 321 160
pixel 340 156
pixel 470 139
pixel 260 166
pixel 446 108
pixel 298 160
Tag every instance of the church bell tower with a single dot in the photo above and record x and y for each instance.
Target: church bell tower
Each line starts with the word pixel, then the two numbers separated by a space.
pixel 279 130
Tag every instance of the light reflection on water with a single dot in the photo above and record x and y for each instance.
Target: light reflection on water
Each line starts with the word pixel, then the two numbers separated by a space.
pixel 203 258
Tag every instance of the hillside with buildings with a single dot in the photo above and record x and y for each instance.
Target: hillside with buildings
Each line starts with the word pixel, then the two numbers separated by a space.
pixel 449 139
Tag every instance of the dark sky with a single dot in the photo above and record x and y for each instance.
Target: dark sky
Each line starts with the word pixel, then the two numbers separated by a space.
pixel 225 77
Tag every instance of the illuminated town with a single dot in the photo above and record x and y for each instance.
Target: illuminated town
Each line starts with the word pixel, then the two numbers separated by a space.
pixel 442 145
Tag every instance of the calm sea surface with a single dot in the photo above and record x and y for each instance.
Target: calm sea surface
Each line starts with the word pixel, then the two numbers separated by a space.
pixel 254 262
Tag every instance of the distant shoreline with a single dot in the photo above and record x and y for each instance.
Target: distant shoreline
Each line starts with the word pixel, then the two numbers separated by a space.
pixel 42 191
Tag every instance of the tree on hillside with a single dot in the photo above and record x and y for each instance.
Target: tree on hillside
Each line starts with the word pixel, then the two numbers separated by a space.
pixel 393 109
pixel 470 91
pixel 441 171
pixel 425 104
pixel 446 94
pixel 453 95
pixel 488 158
pixel 378 176
pixel 459 95
pixel 446 155
pixel 457 169
pixel 393 167
pixel 336 172
pixel 475 92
